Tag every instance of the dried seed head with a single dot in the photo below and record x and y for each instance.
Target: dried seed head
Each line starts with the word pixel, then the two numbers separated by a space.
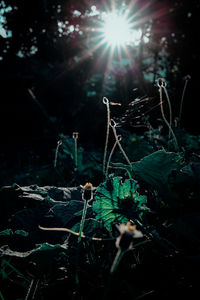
pixel 87 191
pixel 161 82
pixel 59 143
pixel 75 135
pixel 187 77
pixel 87 186
pixel 105 101
pixel 112 123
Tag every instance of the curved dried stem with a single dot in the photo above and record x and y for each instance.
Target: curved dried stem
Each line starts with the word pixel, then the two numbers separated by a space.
pixel 162 85
pixel 59 143
pixel 170 110
pixel 111 154
pixel 74 233
pixel 113 125
pixel 187 78
pixel 106 102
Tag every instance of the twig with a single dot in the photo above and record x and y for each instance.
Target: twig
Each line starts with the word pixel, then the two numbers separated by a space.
pixel 187 78
pixel 161 85
pixel 106 102
pixel 110 156
pixel 113 125
pixel 74 233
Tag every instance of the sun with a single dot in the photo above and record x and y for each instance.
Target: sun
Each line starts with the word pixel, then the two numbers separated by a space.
pixel 117 30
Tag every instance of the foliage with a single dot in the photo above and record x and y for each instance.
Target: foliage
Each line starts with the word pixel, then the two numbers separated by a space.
pixel 54 75
pixel 88 162
pixel 118 202
pixel 156 168
pixel 136 146
pixel 167 183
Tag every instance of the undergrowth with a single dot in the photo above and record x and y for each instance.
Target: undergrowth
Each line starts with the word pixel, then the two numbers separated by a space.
pixel 133 235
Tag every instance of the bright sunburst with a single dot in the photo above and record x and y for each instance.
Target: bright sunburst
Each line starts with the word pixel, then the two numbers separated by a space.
pixel 117 29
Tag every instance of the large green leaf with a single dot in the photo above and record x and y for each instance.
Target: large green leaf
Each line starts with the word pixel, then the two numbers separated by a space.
pixel 135 146
pixel 156 168
pixel 118 202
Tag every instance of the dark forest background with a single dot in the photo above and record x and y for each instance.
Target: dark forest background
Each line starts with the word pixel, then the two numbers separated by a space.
pixel 53 80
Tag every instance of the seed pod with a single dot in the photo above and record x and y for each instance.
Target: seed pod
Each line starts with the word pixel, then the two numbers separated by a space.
pixel 87 193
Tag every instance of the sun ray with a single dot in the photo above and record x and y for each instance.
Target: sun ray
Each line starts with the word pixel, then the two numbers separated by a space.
pixel 117 29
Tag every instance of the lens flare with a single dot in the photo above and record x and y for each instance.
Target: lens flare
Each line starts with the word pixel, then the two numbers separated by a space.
pixel 118 31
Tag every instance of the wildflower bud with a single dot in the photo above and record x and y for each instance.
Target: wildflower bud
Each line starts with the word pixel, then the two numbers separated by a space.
pixel 127 233
pixel 87 193
pixel 187 77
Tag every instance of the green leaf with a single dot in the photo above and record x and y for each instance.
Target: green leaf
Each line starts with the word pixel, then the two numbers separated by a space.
pixel 65 212
pixel 6 232
pixel 135 146
pixel 156 168
pixel 118 202
pixel 21 232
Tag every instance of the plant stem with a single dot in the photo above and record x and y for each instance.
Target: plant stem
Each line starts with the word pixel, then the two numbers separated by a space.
pixel 56 153
pixel 75 137
pixel 83 220
pixel 74 233
pixel 170 110
pixel 1 296
pixel 75 154
pixel 109 158
pixel 118 142
pixel 32 289
pixel 165 120
pixel 15 270
pixel 182 98
pixel 106 102
pixel 116 260
pixel 114 266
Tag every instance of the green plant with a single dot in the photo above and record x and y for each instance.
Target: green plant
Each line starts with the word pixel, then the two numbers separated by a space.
pixel 117 201
pixel 155 169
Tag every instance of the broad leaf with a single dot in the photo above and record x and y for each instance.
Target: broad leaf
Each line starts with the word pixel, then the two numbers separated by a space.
pixel 118 202
pixel 156 168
